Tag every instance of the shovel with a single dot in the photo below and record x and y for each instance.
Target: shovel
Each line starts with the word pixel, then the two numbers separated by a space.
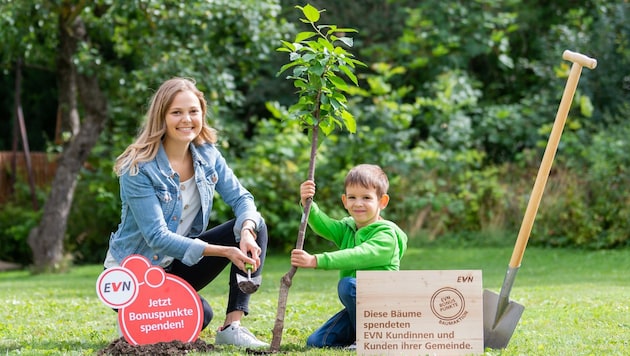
pixel 500 315
pixel 248 284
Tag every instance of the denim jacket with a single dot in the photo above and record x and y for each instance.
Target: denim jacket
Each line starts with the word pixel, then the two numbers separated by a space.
pixel 151 207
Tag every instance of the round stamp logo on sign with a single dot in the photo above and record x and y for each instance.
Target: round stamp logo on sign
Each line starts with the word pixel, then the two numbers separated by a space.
pixel 153 306
pixel 449 305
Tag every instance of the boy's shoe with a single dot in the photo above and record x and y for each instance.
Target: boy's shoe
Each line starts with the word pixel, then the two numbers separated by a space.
pixel 351 347
pixel 238 335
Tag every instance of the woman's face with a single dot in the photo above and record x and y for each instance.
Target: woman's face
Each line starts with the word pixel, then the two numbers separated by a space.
pixel 184 118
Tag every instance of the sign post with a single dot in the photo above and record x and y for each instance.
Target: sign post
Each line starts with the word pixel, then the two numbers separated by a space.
pixel 419 312
pixel 153 306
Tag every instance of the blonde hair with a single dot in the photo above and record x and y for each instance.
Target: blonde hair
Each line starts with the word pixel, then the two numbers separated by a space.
pixel 147 143
pixel 368 176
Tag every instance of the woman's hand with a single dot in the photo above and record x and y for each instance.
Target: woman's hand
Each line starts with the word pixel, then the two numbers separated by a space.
pixel 239 259
pixel 235 255
pixel 249 247
pixel 301 258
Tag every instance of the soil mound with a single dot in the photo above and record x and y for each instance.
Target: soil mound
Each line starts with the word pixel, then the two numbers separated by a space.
pixel 120 347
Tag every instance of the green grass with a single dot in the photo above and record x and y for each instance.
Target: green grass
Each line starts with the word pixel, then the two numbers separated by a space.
pixel 576 303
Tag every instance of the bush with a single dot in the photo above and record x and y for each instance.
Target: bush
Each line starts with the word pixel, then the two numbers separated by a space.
pixel 584 204
pixel 17 218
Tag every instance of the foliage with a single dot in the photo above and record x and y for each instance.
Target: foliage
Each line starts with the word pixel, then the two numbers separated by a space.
pixel 585 208
pixel 316 65
pixel 456 105
pixel 276 158
pixel 16 222
pixel 88 235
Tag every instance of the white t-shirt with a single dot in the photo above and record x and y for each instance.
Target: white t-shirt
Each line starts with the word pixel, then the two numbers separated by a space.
pixel 191 203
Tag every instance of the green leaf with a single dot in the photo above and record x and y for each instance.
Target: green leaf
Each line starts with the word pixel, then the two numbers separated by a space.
pixel 340 98
pixel 347 60
pixel 304 36
pixel 311 13
pixel 286 66
pixel 327 127
pixel 288 45
pixel 326 44
pixel 338 82
pixel 334 103
pixel 317 69
pixel 349 73
pixel 346 30
pixel 299 83
pixel 348 120
pixel 309 57
pixel 357 62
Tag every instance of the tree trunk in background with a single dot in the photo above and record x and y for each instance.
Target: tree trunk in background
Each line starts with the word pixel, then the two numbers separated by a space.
pixel 66 76
pixel 46 240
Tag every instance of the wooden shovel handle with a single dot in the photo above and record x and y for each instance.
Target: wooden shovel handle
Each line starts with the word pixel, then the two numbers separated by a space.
pixel 579 60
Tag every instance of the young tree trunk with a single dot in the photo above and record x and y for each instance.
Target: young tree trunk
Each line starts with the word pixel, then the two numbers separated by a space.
pixel 46 239
pixel 287 279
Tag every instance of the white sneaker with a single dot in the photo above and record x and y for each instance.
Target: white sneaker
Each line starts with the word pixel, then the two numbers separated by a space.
pixel 238 335
pixel 351 347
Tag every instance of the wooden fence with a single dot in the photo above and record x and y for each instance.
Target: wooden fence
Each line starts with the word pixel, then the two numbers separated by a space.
pixel 43 169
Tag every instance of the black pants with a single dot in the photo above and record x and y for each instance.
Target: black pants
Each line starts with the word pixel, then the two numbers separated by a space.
pixel 209 267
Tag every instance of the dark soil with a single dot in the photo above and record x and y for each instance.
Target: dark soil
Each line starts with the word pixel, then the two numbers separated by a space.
pixel 120 347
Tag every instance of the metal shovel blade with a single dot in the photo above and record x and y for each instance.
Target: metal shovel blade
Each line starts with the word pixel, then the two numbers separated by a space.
pixel 248 284
pixel 499 325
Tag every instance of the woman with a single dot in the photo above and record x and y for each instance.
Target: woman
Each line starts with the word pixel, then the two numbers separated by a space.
pixel 168 178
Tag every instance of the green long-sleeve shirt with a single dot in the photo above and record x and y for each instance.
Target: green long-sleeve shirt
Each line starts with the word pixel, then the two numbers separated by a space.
pixel 377 246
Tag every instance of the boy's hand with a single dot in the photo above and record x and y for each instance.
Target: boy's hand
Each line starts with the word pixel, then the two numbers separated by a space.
pixel 307 190
pixel 301 258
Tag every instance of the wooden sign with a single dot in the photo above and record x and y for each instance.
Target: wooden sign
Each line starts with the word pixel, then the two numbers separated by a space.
pixel 407 312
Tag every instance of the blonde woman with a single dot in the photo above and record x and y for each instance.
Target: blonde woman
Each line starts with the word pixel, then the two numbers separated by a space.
pixel 168 178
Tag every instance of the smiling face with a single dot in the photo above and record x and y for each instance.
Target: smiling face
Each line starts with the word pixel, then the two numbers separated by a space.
pixel 363 204
pixel 184 119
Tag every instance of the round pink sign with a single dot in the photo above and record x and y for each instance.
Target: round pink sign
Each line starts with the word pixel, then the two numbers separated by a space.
pixel 153 306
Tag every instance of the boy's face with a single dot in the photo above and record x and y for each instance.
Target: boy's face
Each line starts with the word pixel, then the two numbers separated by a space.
pixel 363 204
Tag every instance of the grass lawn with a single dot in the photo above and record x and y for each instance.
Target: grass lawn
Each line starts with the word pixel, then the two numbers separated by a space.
pixel 576 303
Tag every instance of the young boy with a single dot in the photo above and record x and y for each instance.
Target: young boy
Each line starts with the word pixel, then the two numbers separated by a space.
pixel 365 240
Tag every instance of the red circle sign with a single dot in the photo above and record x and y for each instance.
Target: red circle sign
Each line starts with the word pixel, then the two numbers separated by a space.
pixel 153 306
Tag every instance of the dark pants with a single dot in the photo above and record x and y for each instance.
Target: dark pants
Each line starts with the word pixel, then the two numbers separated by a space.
pixel 209 267
pixel 340 329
